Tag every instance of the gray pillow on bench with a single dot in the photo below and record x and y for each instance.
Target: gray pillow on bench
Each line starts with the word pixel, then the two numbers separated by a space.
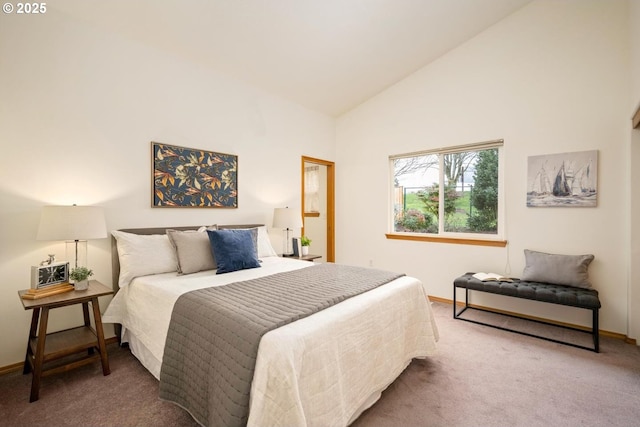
pixel 568 270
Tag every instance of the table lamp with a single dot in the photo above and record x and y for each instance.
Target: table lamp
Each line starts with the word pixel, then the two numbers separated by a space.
pixel 287 219
pixel 74 224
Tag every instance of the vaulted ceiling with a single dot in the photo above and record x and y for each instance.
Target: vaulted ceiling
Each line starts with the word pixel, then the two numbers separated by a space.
pixel 328 55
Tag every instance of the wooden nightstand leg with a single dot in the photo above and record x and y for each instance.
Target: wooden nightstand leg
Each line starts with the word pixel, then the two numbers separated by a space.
pixel 87 321
pixel 85 313
pixel 39 356
pixel 32 334
pixel 100 334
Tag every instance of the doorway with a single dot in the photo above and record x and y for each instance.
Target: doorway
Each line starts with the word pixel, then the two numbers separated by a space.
pixel 318 206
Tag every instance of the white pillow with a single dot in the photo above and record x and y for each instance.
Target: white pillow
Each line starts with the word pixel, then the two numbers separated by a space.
pixel 141 255
pixel 265 249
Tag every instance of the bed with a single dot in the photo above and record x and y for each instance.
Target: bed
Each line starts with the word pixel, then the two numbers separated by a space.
pixel 320 370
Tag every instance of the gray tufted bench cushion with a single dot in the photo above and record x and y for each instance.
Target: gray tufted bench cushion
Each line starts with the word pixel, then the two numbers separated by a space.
pixel 537 291
pixel 547 292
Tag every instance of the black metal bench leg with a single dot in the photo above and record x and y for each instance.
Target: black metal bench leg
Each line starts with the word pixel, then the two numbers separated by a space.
pixel 456 314
pixel 454 301
pixel 596 334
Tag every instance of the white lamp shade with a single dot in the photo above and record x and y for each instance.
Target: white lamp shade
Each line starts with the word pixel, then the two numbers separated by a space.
pixel 72 223
pixel 287 218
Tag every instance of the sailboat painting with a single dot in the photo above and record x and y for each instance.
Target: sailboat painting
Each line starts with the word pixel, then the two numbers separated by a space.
pixel 563 180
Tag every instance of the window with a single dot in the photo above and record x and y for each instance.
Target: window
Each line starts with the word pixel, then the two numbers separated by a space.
pixel 311 189
pixel 451 192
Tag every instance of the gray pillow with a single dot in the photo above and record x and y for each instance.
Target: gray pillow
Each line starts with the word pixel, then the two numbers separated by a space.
pixel 193 250
pixel 568 270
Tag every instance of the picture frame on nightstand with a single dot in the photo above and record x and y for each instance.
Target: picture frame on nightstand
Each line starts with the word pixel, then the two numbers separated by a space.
pixel 296 247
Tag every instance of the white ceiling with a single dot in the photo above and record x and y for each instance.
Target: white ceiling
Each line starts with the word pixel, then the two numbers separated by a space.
pixel 328 55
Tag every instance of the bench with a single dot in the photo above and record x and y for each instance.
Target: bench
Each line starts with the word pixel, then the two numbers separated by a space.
pixel 536 291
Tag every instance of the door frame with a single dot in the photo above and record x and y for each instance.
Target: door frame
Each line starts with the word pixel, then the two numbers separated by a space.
pixel 331 194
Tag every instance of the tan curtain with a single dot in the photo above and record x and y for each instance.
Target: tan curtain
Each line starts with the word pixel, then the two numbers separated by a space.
pixel 311 189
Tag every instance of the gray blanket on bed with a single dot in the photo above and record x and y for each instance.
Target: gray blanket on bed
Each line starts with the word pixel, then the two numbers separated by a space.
pixel 213 337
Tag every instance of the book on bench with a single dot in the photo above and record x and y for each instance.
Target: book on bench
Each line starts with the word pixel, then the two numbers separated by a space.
pixel 492 277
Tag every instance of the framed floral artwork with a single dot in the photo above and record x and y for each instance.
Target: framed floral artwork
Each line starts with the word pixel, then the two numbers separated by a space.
pixel 189 177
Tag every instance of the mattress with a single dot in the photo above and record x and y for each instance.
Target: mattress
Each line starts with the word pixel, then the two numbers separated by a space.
pixel 321 370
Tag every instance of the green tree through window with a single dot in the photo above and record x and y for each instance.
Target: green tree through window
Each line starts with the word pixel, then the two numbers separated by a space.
pixel 484 199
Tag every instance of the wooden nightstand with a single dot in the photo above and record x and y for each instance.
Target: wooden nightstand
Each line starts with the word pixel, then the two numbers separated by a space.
pixel 309 257
pixel 65 346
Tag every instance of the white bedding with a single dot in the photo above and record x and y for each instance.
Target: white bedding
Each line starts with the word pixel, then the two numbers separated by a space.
pixel 318 371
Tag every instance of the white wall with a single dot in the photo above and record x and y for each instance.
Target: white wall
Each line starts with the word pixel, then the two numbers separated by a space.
pixel 634 294
pixel 78 109
pixel 551 78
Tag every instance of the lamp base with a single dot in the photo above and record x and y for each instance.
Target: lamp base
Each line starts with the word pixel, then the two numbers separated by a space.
pixel 286 248
pixel 76 253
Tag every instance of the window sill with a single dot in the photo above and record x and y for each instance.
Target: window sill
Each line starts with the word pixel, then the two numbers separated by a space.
pixel 441 239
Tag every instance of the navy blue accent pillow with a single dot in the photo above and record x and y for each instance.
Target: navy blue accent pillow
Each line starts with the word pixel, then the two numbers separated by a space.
pixel 233 250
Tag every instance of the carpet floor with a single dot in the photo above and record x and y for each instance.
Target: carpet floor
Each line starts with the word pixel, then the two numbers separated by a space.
pixel 480 376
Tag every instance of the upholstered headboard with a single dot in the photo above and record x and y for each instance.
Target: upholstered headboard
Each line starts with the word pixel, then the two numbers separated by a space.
pixel 154 230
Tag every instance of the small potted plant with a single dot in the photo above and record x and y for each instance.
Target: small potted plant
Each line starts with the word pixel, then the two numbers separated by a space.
pixel 304 243
pixel 80 277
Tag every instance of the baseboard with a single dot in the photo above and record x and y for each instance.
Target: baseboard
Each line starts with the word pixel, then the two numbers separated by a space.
pixel 19 366
pixel 610 334
pixel 11 368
